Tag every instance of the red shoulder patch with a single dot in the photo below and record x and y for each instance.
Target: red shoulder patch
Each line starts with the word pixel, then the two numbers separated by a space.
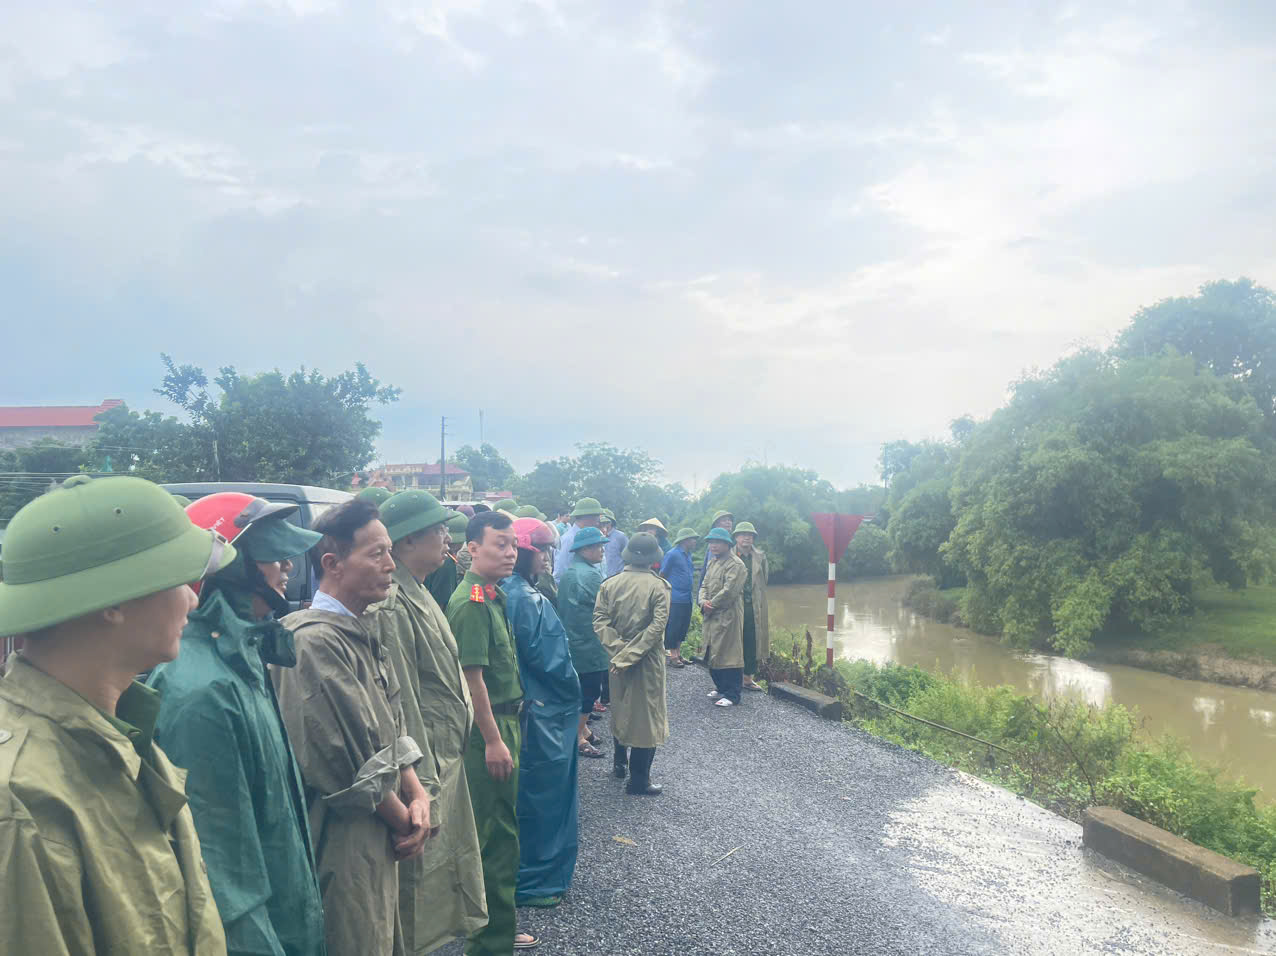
pixel 476 593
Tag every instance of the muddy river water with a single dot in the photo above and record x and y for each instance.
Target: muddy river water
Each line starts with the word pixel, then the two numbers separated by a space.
pixel 1231 726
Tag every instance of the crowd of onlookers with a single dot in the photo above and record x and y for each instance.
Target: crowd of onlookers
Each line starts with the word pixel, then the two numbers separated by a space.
pixel 393 767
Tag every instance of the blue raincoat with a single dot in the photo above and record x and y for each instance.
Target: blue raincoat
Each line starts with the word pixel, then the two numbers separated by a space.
pixel 547 797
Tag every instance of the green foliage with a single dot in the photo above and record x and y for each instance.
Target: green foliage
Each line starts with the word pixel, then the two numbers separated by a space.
pixel 929 601
pixel 616 477
pixel 867 555
pixel 489 471
pixel 1229 328
pixel 26 473
pixel 303 427
pixel 779 501
pixel 1105 492
pixel 1066 755
pixel 150 445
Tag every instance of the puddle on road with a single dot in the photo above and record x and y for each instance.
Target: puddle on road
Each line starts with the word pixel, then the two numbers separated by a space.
pixel 1022 871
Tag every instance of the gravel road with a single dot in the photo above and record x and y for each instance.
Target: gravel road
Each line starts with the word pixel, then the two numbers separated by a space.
pixel 781 833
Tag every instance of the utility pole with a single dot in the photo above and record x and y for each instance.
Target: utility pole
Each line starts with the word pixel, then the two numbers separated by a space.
pixel 442 459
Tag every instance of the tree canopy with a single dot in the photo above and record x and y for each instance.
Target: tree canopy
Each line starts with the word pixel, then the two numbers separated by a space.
pixel 489 471
pixel 303 427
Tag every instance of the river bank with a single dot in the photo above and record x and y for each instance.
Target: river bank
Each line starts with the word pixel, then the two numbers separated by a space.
pixel 1233 727
pixel 1229 639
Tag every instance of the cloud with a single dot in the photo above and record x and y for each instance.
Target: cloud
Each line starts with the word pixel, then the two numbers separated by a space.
pixel 721 232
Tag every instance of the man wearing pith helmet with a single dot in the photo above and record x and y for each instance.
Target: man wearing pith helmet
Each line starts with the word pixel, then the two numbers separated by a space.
pixel 375 495
pixel 219 719
pixel 629 619
pixel 98 844
pixel 757 628
pixel 440 892
pixel 722 606
pixel 586 514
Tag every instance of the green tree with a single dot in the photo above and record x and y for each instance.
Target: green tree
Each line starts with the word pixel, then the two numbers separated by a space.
pixel 1104 493
pixel 26 473
pixel 489 471
pixel 1228 327
pixel 779 501
pixel 599 470
pixel 867 555
pixel 303 427
pixel 149 445
pixel 920 524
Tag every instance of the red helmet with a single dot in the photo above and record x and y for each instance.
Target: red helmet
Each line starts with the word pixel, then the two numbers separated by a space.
pixel 532 534
pixel 231 513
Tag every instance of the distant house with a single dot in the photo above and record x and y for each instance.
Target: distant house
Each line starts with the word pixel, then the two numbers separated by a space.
pixel 399 477
pixel 22 425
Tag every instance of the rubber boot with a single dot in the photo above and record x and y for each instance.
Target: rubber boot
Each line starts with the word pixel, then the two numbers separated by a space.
pixel 619 760
pixel 640 784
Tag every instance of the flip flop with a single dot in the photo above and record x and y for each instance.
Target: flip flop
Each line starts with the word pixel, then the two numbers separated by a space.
pixel 530 943
pixel 588 750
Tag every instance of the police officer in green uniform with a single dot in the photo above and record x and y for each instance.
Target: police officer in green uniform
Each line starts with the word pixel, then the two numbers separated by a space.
pixel 98 843
pixel 476 614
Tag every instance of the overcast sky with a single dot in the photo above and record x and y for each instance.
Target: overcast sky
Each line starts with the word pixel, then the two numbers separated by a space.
pixel 719 231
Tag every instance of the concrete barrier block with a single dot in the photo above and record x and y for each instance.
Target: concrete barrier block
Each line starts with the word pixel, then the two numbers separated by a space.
pixel 1194 871
pixel 829 707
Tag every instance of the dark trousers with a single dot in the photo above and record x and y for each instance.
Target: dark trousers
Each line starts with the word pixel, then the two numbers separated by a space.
pixel 729 681
pixel 750 640
pixel 591 688
pixel 676 629
pixel 638 760
pixel 605 696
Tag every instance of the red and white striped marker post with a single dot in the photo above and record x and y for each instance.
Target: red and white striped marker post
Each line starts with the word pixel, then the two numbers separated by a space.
pixel 837 530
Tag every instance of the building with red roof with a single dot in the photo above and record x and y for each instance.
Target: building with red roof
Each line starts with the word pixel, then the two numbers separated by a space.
pixel 22 425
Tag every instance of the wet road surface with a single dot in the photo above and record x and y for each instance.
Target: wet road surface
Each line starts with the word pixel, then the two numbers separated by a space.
pixel 843 844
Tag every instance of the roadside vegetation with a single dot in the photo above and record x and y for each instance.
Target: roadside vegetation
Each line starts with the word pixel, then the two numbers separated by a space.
pixel 1065 755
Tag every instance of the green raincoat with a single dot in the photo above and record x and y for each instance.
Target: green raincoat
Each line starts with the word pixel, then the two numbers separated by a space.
pixel 629 618
pixel 98 844
pixel 441 893
pixel 761 613
pixel 723 627
pixel 341 706
pixel 219 719
pixel 577 593
pixel 443 581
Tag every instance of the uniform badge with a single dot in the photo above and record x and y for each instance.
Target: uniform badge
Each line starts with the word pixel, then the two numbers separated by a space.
pixel 476 593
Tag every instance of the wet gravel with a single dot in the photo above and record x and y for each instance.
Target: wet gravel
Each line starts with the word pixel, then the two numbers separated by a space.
pixel 838 844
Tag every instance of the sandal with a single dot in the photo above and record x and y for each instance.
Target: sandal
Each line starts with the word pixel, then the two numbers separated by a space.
pixel 588 750
pixel 752 686
pixel 530 943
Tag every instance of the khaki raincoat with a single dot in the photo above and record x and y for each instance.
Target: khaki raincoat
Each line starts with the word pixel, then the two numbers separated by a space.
pixel 761 618
pixel 441 894
pixel 723 626
pixel 98 845
pixel 341 706
pixel 629 618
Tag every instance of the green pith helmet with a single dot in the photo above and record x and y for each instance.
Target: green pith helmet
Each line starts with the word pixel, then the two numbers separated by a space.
pixel 97 542
pixel 608 515
pixel 586 507
pixel 378 496
pixel 456 525
pixel 684 534
pixel 719 515
pixel 745 527
pixel 527 511
pixel 587 538
pixel 508 504
pixel 411 511
pixel 181 500
pixel 643 549
pixel 718 534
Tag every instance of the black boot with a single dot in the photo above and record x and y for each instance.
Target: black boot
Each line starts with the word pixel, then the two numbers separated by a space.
pixel 619 760
pixel 640 784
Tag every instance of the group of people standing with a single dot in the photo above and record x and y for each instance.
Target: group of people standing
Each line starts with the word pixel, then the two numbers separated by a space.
pixel 389 769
